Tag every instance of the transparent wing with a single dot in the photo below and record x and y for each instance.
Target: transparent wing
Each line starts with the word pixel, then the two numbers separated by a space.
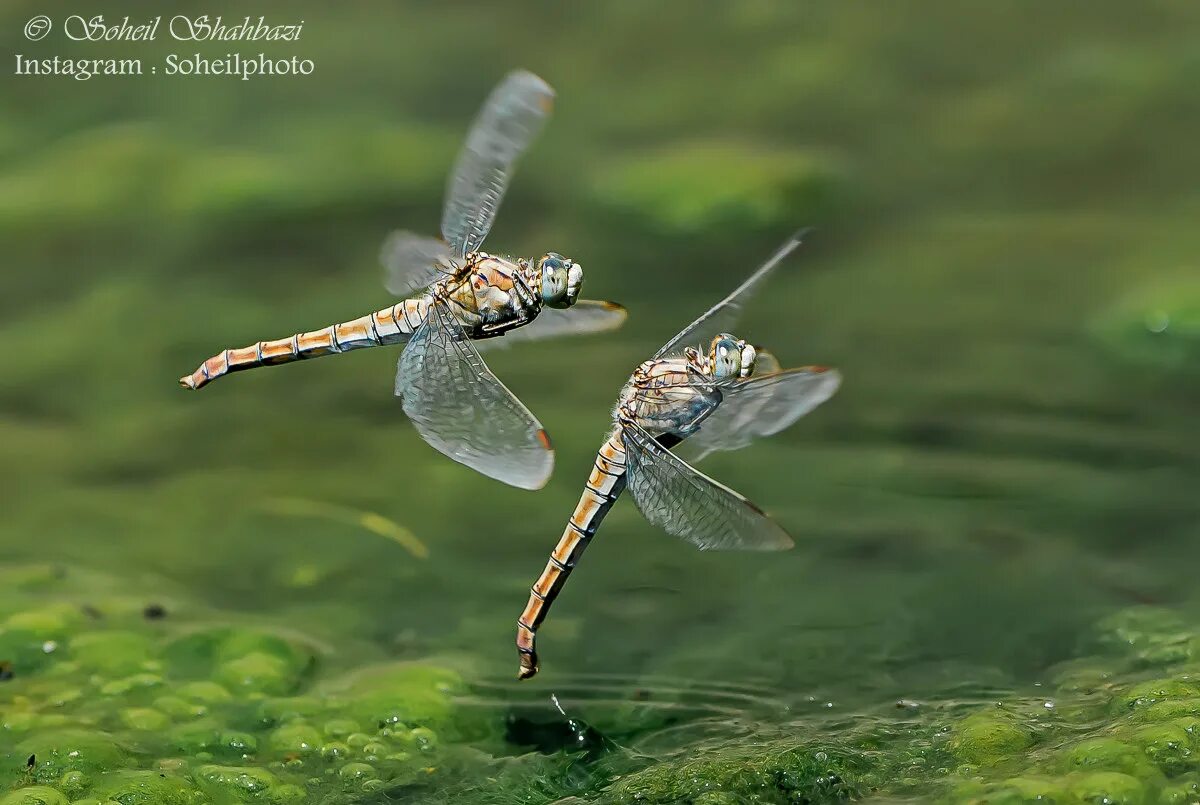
pixel 412 262
pixel 585 316
pixel 511 118
pixel 463 410
pixel 760 406
pixel 721 317
pixel 682 501
pixel 766 363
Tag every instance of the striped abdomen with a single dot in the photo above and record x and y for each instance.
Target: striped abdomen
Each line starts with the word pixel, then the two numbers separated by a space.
pixel 392 325
pixel 606 482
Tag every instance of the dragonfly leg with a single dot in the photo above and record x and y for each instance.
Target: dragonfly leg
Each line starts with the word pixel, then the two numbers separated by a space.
pixel 500 328
pixel 689 426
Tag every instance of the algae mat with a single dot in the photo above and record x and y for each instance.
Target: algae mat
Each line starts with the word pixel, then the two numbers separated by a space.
pixel 108 699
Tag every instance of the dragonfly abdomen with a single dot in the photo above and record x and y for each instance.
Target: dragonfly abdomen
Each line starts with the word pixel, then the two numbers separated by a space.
pixel 604 485
pixel 392 325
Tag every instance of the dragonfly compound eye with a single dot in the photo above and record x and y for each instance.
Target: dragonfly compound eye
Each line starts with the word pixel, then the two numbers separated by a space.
pixel 555 281
pixel 725 354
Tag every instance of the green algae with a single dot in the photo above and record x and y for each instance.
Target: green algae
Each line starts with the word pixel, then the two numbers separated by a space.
pixel 1107 754
pixel 733 188
pixel 146 788
pixel 239 782
pixel 357 771
pixel 295 738
pixel 766 774
pixel 1155 691
pixel 1137 739
pixel 1168 746
pixel 47 623
pixel 1107 787
pixel 257 672
pixel 987 738
pixel 230 659
pixel 413 694
pixel 1158 325
pixel 1113 732
pixel 35 795
pixel 135 712
pixel 1123 727
pixel 144 718
pixel 1150 636
pixel 63 751
pixel 112 653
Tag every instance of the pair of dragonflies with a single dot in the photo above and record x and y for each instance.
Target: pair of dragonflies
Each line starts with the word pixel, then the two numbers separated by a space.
pixel 705 386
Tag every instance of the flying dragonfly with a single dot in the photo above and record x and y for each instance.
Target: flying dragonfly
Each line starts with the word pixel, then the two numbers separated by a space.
pixel 721 398
pixel 454 294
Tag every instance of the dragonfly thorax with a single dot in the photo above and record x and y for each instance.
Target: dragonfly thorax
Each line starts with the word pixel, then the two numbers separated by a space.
pixel 664 395
pixel 490 295
pixel 673 394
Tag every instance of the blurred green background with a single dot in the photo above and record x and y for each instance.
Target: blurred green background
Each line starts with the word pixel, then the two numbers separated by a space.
pixel 1004 268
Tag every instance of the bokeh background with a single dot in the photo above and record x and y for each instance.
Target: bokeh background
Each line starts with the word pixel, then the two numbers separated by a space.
pixel 1003 266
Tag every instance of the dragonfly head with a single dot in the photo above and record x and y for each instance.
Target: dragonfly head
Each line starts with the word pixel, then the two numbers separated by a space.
pixel 560 280
pixel 731 357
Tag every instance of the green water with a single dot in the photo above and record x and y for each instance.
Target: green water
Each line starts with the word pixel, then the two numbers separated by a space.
pixel 997 510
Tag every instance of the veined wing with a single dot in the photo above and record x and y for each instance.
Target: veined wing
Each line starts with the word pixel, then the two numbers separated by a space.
pixel 511 118
pixel 721 317
pixel 412 262
pixel 464 411
pixel 682 501
pixel 760 406
pixel 585 316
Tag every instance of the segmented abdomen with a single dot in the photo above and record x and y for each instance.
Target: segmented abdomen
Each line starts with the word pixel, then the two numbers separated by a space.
pixel 392 325
pixel 604 485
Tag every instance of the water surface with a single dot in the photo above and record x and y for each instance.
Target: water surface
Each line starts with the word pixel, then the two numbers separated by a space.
pixel 1004 270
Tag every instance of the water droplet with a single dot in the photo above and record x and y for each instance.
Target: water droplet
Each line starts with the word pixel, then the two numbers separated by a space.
pixel 1157 321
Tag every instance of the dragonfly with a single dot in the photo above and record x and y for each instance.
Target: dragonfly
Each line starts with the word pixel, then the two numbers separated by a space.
pixel 705 390
pixel 453 295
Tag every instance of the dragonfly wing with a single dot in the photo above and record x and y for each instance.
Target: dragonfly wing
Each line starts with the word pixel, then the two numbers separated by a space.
pixel 766 363
pixel 464 411
pixel 585 316
pixel 511 118
pixel 412 262
pixel 682 501
pixel 760 406
pixel 721 317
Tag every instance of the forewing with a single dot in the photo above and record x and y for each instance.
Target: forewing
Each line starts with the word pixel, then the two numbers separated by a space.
pixel 760 406
pixel 511 118
pixel 585 316
pixel 721 317
pixel 464 411
pixel 412 261
pixel 682 501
